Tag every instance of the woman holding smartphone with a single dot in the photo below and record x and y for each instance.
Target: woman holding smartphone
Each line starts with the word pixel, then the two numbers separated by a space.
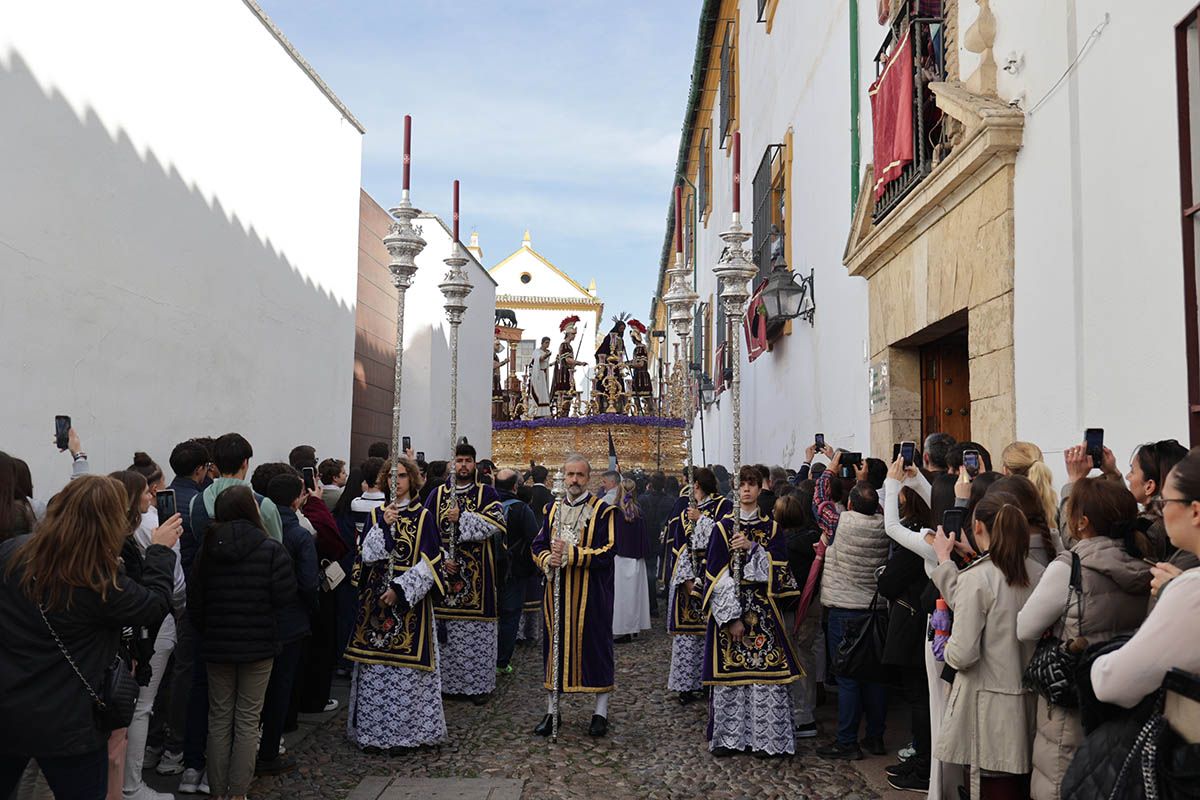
pixel 989 719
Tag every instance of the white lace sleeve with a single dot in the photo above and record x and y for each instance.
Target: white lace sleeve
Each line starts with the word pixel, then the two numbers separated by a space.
pixel 725 605
pixel 416 582
pixel 758 565
pixel 374 548
pixel 685 569
pixel 704 529
pixel 473 527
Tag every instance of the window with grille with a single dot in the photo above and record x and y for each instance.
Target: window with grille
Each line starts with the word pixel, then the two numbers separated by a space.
pixel 770 206
pixel 728 83
pixel 708 344
pixel 689 230
pixel 704 173
pixel 698 334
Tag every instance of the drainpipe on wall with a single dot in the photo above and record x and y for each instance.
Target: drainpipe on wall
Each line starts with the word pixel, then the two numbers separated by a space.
pixel 855 127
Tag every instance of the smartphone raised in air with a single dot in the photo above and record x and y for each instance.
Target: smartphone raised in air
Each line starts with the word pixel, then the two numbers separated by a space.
pixel 420 456
pixel 971 462
pixel 62 430
pixel 819 441
pixel 406 444
pixel 1093 439
pixel 310 478
pixel 164 504
pixel 908 451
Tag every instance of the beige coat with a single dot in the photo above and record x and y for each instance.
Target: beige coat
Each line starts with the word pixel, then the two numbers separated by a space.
pixel 989 719
pixel 1116 586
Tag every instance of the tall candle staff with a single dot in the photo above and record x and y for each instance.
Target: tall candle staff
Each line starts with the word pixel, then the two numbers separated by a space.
pixel 403 243
pixel 734 270
pixel 455 286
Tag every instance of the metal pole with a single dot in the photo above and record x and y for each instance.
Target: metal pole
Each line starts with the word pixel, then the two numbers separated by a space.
pixel 403 243
pixel 733 271
pixel 455 286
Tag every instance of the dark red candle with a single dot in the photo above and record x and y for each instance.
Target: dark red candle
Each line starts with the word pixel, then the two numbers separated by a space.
pixel 737 172
pixel 678 219
pixel 407 149
pixel 456 211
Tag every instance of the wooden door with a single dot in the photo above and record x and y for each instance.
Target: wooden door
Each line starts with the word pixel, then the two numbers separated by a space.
pixel 946 388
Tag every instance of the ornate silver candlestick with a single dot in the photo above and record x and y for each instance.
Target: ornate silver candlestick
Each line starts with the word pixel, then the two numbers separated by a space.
pixel 455 286
pixel 733 270
pixel 403 243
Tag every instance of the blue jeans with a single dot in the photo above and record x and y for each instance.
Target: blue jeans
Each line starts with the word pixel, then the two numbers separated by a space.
pixel 84 776
pixel 512 605
pixel 855 696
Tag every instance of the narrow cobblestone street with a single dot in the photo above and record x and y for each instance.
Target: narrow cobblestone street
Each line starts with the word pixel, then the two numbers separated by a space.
pixel 655 747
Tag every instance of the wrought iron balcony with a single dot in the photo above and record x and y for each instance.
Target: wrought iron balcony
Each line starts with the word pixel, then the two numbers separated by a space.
pixel 923 22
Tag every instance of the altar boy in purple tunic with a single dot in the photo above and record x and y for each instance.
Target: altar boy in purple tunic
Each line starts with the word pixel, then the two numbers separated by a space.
pixel 468 607
pixel 748 655
pixel 577 536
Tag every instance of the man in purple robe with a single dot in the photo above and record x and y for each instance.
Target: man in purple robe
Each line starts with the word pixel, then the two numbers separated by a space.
pixel 576 545
pixel 468 516
pixel 748 655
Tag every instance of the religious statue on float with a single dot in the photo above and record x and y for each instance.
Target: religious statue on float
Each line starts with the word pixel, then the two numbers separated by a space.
pixel 642 388
pixel 609 388
pixel 537 381
pixel 563 389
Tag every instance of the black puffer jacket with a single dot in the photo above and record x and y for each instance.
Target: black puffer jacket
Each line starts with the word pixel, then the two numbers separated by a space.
pixel 240 580
pixel 902 582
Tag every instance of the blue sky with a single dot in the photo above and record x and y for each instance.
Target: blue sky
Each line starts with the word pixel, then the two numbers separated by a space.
pixel 560 117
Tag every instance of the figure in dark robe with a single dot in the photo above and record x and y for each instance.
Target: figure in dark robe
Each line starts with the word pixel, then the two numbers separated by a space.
pixel 690 532
pixel 562 390
pixel 610 367
pixel 576 545
pixel 468 516
pixel 396 691
pixel 748 654
pixel 641 388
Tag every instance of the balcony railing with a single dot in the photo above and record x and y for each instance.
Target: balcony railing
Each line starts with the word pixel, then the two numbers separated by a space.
pixel 924 23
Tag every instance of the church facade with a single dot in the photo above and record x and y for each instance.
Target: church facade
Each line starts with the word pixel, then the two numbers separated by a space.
pixel 540 296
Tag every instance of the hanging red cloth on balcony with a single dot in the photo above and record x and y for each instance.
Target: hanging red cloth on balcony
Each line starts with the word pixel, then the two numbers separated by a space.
pixel 892 115
pixel 754 323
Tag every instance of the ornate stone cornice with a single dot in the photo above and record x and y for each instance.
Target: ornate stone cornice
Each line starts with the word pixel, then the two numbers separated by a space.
pixel 535 301
pixel 991 134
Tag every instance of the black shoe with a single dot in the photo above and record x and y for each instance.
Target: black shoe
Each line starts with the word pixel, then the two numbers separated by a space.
pixel 372 750
pixel 846 752
pixel 910 782
pixel 874 746
pixel 481 699
pixel 896 770
pixel 763 754
pixel 546 726
pixel 599 726
pixel 401 751
pixel 808 731
pixel 724 752
pixel 274 766
pixel 626 639
pixel 686 698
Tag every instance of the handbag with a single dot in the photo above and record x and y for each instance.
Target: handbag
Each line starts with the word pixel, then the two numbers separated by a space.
pixel 331 575
pixel 114 705
pixel 1051 671
pixel 860 653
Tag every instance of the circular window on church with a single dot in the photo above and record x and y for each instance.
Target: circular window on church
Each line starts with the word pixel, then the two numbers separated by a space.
pixel 526 277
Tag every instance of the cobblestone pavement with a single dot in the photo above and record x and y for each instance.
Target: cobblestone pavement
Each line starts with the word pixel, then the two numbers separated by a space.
pixel 655 747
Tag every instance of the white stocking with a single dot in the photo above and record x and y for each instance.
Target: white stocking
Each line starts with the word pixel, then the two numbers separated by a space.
pixel 602 704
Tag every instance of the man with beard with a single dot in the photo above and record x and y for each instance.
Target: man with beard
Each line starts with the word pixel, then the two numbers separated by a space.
pixel 469 516
pixel 575 547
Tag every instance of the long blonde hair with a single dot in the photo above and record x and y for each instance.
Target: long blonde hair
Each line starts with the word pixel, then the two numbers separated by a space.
pixel 76 545
pixel 1025 459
